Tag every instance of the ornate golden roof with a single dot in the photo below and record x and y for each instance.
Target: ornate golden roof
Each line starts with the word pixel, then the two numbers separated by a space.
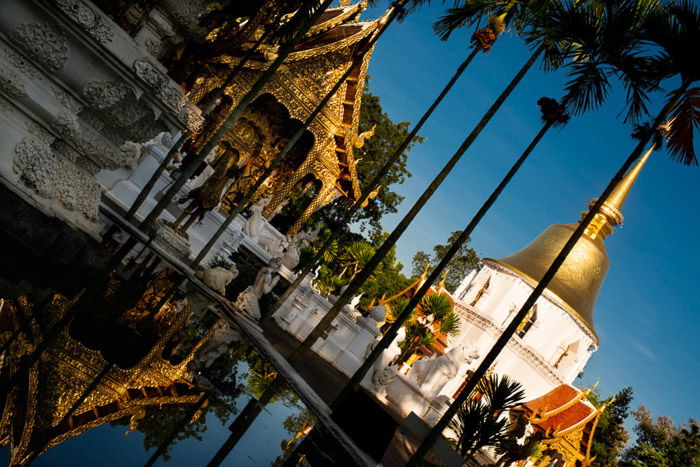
pixel 577 283
pixel 328 49
pixel 33 417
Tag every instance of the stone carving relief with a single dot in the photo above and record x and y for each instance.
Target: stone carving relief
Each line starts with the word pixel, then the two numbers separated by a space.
pixel 39 131
pixel 22 65
pixel 185 12
pixel 35 164
pixel 66 99
pixel 45 42
pixel 172 96
pixel 5 106
pixel 87 19
pixel 116 103
pixel 102 94
pixel 11 84
pixel 51 177
pixel 66 126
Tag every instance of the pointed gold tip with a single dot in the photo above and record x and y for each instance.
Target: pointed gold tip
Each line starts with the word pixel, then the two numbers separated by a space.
pixel 610 214
pixel 619 194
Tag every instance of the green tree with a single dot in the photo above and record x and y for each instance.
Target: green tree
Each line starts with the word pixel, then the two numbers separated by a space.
pixel 464 261
pixel 610 435
pixel 660 443
pixel 387 280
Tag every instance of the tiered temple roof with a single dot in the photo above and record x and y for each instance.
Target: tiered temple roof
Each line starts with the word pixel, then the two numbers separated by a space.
pixel 330 47
pixel 565 421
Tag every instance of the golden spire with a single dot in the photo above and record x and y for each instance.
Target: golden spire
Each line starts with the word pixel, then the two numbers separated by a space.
pixel 424 276
pixel 441 287
pixel 610 214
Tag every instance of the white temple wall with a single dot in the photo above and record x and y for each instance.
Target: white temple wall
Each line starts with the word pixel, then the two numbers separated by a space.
pixel 74 88
pixel 554 337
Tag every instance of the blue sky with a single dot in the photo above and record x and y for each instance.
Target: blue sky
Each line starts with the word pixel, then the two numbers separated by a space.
pixel 646 315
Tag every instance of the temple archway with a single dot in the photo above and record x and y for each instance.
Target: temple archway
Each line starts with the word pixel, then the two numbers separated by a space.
pixel 259 135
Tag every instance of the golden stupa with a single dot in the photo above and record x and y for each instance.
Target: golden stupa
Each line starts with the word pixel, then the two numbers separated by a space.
pixel 577 283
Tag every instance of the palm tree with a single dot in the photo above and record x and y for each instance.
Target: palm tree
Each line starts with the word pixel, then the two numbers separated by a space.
pixel 674 32
pixel 552 115
pixel 356 256
pixel 511 451
pixel 385 248
pixel 479 422
pixel 436 315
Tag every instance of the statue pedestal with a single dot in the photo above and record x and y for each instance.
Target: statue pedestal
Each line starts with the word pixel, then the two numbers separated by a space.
pixel 167 238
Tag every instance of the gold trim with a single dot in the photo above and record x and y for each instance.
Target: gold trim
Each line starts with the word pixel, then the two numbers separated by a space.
pixel 350 10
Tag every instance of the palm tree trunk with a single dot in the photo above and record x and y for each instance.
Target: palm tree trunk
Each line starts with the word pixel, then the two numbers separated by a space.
pixel 299 133
pixel 435 274
pixel 209 106
pixel 391 240
pixel 232 118
pixel 502 341
pixel 376 181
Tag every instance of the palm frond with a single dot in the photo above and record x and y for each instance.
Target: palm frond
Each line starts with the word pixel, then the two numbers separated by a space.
pixel 684 120
pixel 436 304
pixel 501 392
pixel 395 307
pixel 587 88
pixel 468 13
pixel 450 324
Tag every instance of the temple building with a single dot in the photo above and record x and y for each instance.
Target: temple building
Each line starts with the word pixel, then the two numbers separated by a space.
pixel 564 422
pixel 77 384
pixel 553 345
pixel 323 160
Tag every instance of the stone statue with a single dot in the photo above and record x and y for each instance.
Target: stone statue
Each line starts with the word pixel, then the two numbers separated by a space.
pixel 207 197
pixel 305 238
pixel 222 335
pixel 290 257
pixel 431 374
pixel 218 278
pixel 382 372
pixel 351 308
pixel 132 152
pixel 255 223
pixel 248 300
pixel 273 245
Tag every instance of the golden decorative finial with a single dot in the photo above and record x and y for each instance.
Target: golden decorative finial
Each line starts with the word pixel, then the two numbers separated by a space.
pixel 607 404
pixel 584 394
pixel 441 286
pixel 610 215
pixel 424 276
